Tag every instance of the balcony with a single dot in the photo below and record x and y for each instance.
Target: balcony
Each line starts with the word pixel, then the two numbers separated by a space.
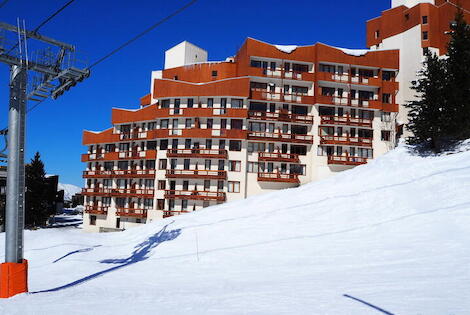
pixel 197 153
pixel 134 154
pixel 133 192
pixel 346 120
pixel 278 157
pixel 96 210
pixel 203 174
pixel 258 94
pixel 280 74
pixel 346 140
pixel 346 160
pixel 281 137
pixel 98 156
pixel 131 212
pixel 170 213
pixel 278 178
pixel 281 116
pixel 149 173
pixel 347 79
pixel 195 195
pixel 96 191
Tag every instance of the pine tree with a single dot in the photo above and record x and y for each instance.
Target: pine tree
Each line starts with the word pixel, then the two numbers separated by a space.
pixel 457 111
pixel 426 112
pixel 441 114
pixel 36 206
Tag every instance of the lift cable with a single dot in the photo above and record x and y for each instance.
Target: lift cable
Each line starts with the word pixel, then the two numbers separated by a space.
pixel 168 17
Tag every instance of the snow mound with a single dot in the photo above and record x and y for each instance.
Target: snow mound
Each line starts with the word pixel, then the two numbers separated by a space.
pixel 354 52
pixel 69 190
pixel 393 233
pixel 286 48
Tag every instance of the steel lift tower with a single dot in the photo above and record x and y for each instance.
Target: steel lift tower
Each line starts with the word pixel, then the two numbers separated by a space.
pixel 34 76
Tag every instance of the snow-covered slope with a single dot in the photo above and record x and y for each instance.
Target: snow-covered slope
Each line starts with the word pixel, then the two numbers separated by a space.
pixel 394 233
pixel 69 190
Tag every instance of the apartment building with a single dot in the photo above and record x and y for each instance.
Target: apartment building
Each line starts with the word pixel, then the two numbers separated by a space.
pixel 271 117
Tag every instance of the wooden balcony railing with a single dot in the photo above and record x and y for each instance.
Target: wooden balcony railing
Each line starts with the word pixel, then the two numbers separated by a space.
pixel 96 210
pixel 134 154
pixel 346 160
pixel 281 137
pixel 278 177
pixel 281 74
pixel 284 117
pixel 134 192
pixel 96 191
pixel 206 174
pixel 346 140
pixel 348 79
pixel 170 213
pixel 259 94
pixel 131 212
pixel 278 157
pixel 346 120
pixel 148 173
pixel 197 153
pixel 195 195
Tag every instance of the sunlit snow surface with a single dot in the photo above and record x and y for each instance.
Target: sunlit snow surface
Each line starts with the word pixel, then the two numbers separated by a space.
pixel 394 233
pixel 286 48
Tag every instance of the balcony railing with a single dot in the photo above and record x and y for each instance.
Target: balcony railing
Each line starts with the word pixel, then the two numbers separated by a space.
pixel 284 117
pixel 148 173
pixel 170 213
pixel 346 140
pixel 346 78
pixel 131 212
pixel 134 192
pixel 278 177
pixel 278 157
pixel 260 94
pixel 346 120
pixel 206 174
pixel 96 191
pixel 281 137
pixel 96 210
pixel 195 195
pixel 346 160
pixel 281 74
pixel 197 153
pixel 134 154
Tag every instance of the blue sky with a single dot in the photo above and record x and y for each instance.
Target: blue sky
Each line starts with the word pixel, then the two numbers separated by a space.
pixel 219 26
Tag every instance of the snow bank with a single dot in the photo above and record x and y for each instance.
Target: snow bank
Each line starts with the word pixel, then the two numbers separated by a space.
pixel 393 233
pixel 286 48
pixel 353 52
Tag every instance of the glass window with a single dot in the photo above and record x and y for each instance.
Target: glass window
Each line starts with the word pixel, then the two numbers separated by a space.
pixel 235 145
pixel 234 187
pixel 234 166
pixel 237 103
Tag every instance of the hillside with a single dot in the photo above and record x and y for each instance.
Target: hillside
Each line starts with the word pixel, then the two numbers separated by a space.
pixel 393 233
pixel 69 190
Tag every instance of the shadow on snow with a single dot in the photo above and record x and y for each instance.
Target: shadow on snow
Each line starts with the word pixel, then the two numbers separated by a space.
pixel 139 254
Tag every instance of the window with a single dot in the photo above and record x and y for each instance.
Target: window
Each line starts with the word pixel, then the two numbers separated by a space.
pixel 234 166
pixel 151 145
pixel 207 184
pixel 164 144
pixel 221 144
pixel 186 164
pixel 152 125
pixel 223 123
pixel 234 187
pixel 407 16
pixel 425 19
pixel 107 183
pixel 121 183
pixel 210 102
pixel 160 204
pixel 255 63
pixel 150 164
pixel 299 89
pixel 108 166
pixel 298 149
pixel 187 143
pixel 118 223
pixel 148 203
pixel 188 123
pixel 425 36
pixel 164 124
pixel 386 98
pixel 297 169
pixel 171 204
pixel 110 148
pixel 208 143
pixel 214 73
pixel 377 34
pixel 221 165
pixel 235 145
pixel 388 75
pixel 162 164
pixel 252 167
pixel 327 91
pixel 124 147
pixel 106 201
pixel 165 104
pixel 210 123
pixel 123 165
pixel 120 202
pixel 256 147
pixel 190 102
pixel 385 117
pixel 184 203
pixel 220 185
pixel 175 77
pixel 257 126
pixel 237 103
pixel 92 219
pixel 149 183
pixel 236 124
pixel 385 135
pixel 327 68
pixel 223 102
pixel 207 164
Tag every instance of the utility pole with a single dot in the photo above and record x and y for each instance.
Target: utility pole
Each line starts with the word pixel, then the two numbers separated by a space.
pixel 55 73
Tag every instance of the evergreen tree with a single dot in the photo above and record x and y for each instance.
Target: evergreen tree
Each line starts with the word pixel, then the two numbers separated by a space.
pixel 36 207
pixel 441 114
pixel 457 112
pixel 426 112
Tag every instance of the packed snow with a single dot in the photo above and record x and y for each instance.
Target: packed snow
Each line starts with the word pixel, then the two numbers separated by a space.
pixel 286 48
pixel 389 237
pixel 354 52
pixel 69 190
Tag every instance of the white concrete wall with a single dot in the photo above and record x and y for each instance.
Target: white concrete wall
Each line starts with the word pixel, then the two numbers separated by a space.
pixel 183 54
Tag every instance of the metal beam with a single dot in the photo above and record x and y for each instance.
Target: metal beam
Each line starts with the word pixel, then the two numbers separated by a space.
pixel 35 35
